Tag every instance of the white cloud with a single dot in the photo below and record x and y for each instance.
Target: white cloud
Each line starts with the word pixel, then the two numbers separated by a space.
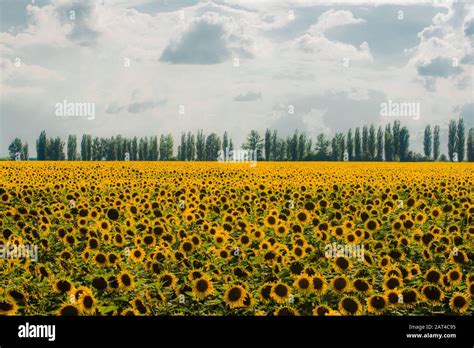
pixel 282 61
pixel 322 48
pixel 331 19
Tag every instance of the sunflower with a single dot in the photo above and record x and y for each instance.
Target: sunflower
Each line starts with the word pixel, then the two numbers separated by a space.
pixel 258 234
pixel 129 312
pixel 223 253
pixel 433 276
pixel 414 270
pixel 104 226
pixel 63 286
pixel 350 238
pixel 304 284
pixel 436 213
pixel 321 310
pixel 298 252
pixel 100 259
pixel 392 283
pixel 286 311
pixel 270 256
pixel 81 291
pixel 168 280
pixel 68 310
pixel 125 280
pixel 446 283
pixel 384 262
pixel 459 257
pixel 281 230
pixel 18 296
pixel 393 297
pixel 397 225
pixel 139 306
pixel 470 289
pixel 113 214
pixel 340 284
pixel 376 303
pixel 264 292
pixel 362 286
pixel 248 300
pixel 280 292
pixel 270 221
pixel 371 225
pixel 432 293
pixel 265 245
pixel 149 240
pixel 420 218
pixel 155 295
pixel 118 240
pixel 202 287
pixel 195 274
pixel 426 255
pixel 99 283
pixel 137 255
pixel 409 297
pixel 234 296
pixel 93 243
pixel 459 302
pixel 342 263
pixel 245 240
pixel 5 198
pixel 86 303
pixel 7 307
pixel 186 247
pixel 348 225
pixel 302 216
pixel 395 272
pixel 349 306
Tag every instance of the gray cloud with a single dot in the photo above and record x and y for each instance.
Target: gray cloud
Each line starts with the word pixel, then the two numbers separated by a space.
pixel 83 31
pixel 469 29
pixel 203 43
pixel 334 109
pixel 467 113
pixel 468 59
pixel 138 107
pixel 249 96
pixel 113 108
pixel 133 108
pixel 439 67
pixel 91 68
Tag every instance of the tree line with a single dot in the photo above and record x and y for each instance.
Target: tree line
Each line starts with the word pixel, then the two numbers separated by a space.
pixel 389 143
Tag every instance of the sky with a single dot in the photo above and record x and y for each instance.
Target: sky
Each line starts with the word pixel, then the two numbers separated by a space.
pixel 168 66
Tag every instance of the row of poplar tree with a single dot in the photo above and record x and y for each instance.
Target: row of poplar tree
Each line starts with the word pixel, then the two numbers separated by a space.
pixel 390 143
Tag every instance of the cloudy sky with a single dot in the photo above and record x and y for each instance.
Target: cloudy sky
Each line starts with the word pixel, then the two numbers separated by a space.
pixel 159 66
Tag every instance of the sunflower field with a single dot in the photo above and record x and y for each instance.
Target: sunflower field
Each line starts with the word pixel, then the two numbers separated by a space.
pixel 177 238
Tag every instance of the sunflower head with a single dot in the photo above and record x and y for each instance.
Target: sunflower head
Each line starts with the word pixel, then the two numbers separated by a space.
pixel 68 310
pixel 349 306
pixel 125 280
pixel 361 285
pixel 7 307
pixel 87 303
pixel 340 284
pixel 459 302
pixel 303 284
pixel 432 293
pixel 202 287
pixel 321 310
pixel 286 311
pixel 280 292
pixel 433 276
pixel 377 303
pixel 235 296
